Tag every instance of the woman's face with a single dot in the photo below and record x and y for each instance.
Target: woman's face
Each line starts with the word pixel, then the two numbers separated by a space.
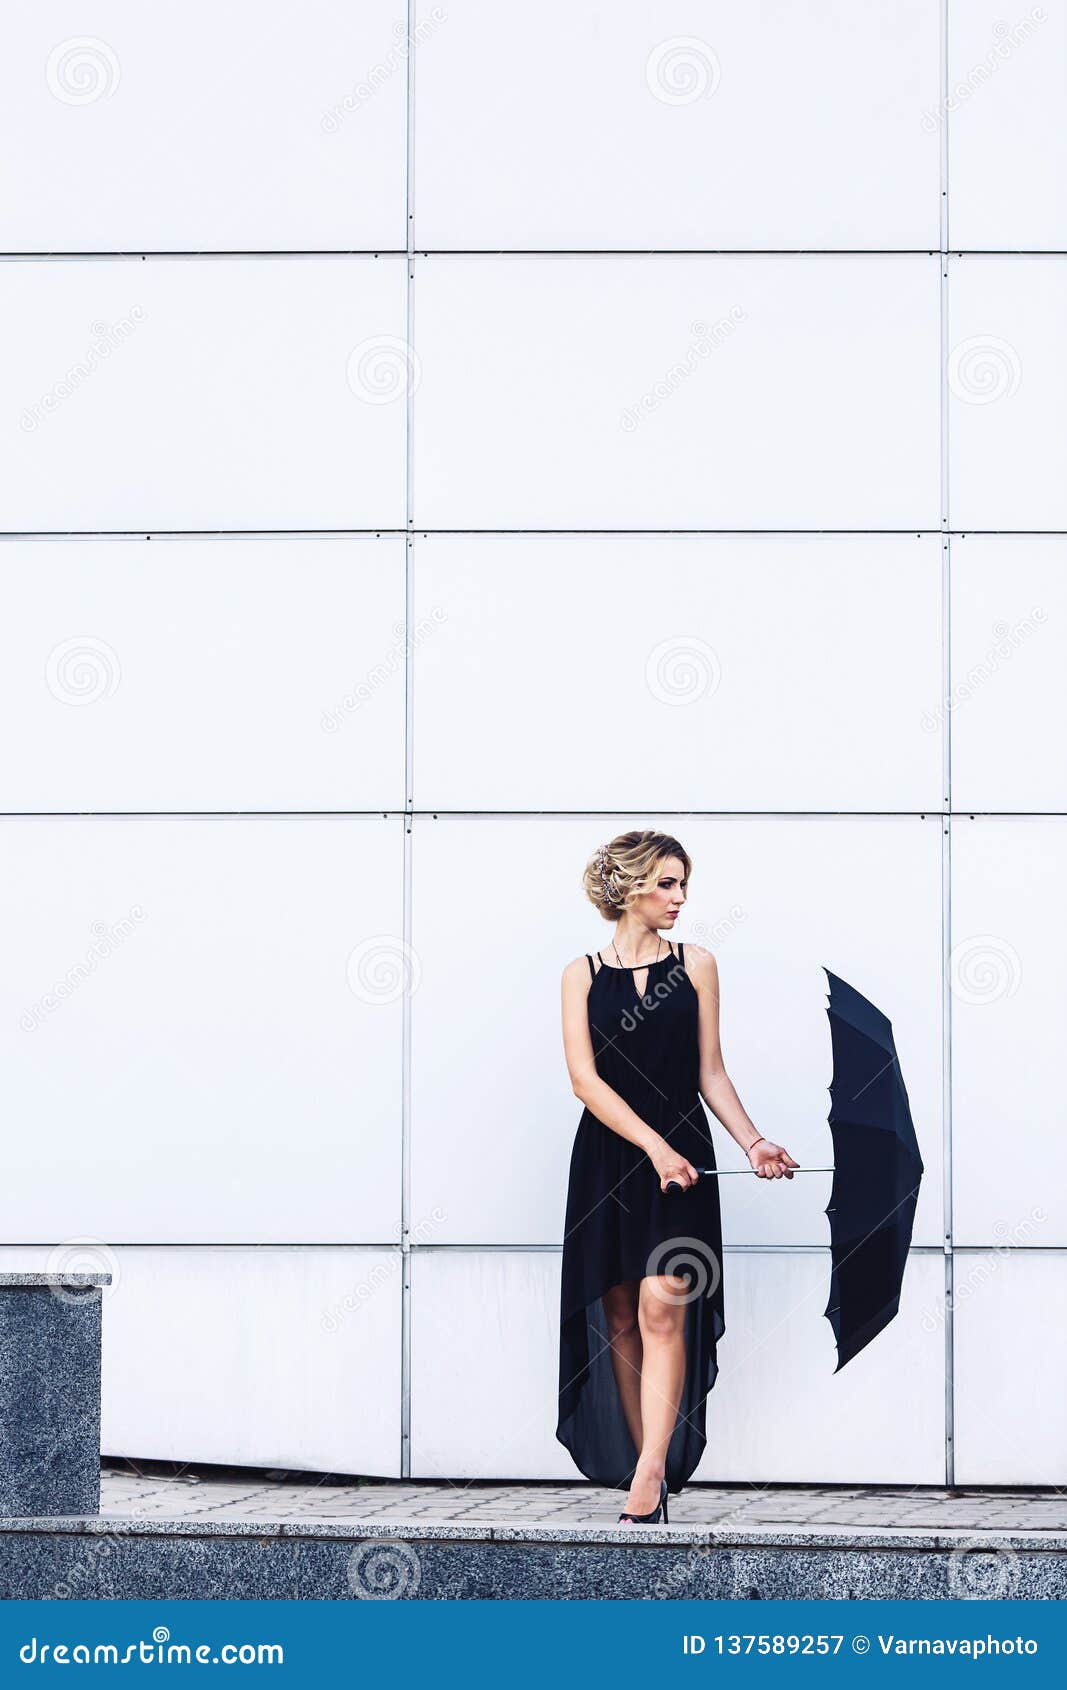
pixel 661 906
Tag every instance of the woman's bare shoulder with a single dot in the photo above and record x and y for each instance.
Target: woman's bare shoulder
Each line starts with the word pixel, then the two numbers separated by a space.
pixel 579 965
pixel 700 961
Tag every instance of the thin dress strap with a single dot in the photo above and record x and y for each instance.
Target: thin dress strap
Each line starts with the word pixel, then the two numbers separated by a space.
pixel 592 970
pixel 681 952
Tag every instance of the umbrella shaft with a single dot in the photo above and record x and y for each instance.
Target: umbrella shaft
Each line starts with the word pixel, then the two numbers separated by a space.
pixel 752 1170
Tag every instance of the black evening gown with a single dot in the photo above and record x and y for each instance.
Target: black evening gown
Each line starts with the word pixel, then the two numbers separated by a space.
pixel 621 1226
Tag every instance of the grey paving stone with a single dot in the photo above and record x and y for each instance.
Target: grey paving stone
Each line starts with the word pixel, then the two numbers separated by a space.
pixel 579 1506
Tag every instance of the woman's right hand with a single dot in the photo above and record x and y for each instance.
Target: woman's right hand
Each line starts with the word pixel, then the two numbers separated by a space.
pixel 670 1166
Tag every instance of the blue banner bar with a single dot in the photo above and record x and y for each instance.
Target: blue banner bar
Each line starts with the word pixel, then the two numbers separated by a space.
pixel 544 1644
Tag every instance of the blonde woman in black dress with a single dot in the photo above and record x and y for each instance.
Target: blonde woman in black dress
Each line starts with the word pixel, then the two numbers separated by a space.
pixel 641 1309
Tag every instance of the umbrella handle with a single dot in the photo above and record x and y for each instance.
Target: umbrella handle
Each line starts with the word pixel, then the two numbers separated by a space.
pixel 672 1184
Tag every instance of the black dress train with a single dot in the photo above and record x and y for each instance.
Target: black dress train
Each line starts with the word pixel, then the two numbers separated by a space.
pixel 620 1225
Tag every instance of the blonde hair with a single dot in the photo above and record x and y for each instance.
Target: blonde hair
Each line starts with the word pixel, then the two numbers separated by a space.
pixel 627 867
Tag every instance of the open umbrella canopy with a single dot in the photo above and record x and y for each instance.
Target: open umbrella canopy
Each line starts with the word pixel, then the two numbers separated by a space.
pixel 877 1171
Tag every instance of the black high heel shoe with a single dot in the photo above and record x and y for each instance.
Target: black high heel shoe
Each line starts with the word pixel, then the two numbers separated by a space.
pixel 652 1519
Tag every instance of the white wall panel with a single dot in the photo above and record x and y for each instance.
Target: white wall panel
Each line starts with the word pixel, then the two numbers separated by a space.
pixel 1010 1352
pixel 1009 672
pixel 748 672
pixel 223 673
pixel 198 394
pixel 780 1414
pixel 223 1066
pixel 713 392
pixel 485 1374
pixel 485 1365
pixel 243 129
pixel 1007 372
pixel 656 131
pixel 493 1114
pixel 1009 1003
pixel 263 1358
pixel 1007 155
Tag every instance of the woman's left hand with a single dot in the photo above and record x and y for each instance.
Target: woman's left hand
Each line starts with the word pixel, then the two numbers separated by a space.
pixel 770 1161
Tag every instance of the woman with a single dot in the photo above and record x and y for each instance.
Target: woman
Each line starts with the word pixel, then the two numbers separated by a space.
pixel 641 1310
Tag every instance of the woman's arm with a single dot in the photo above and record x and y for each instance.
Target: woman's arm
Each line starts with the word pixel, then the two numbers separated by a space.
pixel 603 1100
pixel 716 1086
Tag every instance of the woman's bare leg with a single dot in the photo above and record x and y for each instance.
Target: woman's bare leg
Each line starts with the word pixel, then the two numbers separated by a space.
pixel 661 1315
pixel 620 1309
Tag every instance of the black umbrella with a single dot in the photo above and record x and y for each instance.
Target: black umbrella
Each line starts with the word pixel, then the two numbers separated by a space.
pixel 877 1171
